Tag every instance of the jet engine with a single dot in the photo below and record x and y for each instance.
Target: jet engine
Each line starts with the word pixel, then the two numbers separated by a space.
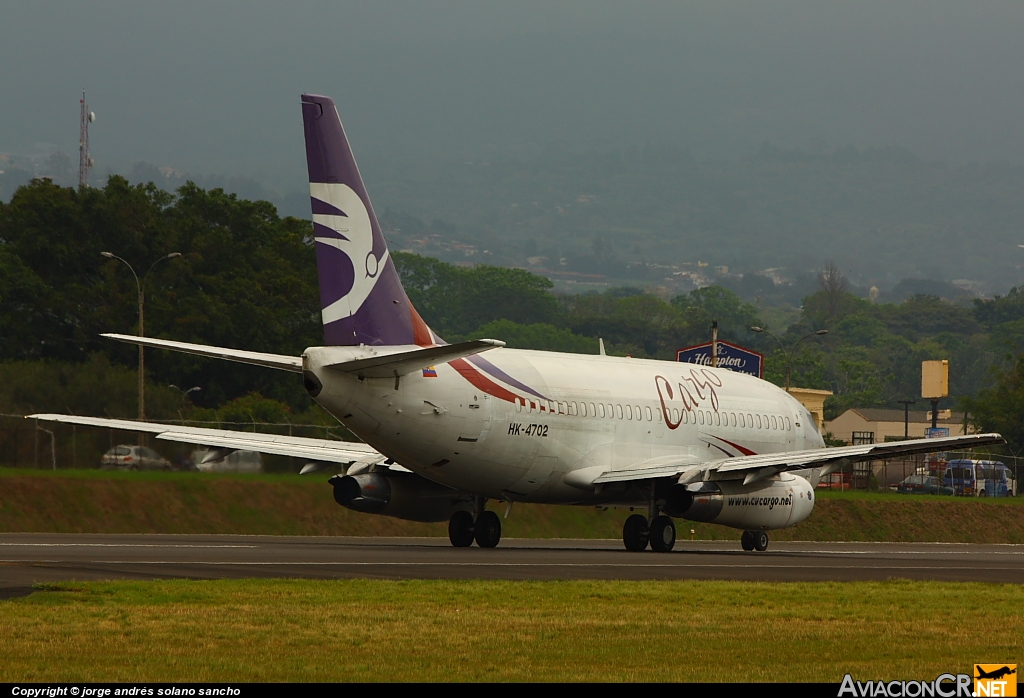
pixel 781 501
pixel 402 495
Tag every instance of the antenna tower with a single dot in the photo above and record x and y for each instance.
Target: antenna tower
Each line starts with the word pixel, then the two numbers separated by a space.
pixel 84 161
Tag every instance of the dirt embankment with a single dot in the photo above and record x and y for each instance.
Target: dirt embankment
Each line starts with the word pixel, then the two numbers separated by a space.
pixel 285 505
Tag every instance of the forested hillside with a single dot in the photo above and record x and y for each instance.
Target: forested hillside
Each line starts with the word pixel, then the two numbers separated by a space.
pixel 885 213
pixel 246 278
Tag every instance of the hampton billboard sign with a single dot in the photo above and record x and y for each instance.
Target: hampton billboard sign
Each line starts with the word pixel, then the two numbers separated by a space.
pixel 730 356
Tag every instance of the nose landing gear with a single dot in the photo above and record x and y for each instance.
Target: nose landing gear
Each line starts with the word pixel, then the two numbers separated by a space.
pixel 754 540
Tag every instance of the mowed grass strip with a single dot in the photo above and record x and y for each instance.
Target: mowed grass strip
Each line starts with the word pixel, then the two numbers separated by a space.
pixel 372 630
pixel 94 501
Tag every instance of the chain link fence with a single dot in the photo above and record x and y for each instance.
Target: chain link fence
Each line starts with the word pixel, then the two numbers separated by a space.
pixel 29 443
pixel 886 475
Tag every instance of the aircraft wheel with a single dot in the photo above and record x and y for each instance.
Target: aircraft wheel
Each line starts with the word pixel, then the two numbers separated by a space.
pixel 635 533
pixel 663 534
pixel 760 541
pixel 747 540
pixel 487 529
pixel 460 529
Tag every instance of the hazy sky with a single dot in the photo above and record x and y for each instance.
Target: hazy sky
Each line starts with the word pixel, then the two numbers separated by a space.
pixel 213 87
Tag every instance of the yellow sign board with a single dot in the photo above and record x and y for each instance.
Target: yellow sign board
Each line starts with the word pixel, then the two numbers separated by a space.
pixel 934 379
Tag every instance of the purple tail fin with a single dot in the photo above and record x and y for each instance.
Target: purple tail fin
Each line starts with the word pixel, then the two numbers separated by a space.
pixel 361 297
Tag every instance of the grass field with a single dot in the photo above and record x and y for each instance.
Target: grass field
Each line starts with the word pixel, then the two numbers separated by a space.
pixel 93 501
pixel 369 630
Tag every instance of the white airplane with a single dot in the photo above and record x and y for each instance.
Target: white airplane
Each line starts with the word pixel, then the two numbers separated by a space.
pixel 447 428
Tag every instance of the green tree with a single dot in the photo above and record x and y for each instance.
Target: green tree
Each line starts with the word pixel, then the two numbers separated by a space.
pixel 540 336
pixel 1000 407
pixel 455 300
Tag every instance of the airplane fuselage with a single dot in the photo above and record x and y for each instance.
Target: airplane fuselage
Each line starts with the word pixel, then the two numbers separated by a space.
pixel 518 425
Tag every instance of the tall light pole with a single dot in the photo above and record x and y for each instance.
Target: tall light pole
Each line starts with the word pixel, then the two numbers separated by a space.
pixel 789 357
pixel 141 287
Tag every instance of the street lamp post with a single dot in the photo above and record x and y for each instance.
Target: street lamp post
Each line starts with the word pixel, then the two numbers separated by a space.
pixel 141 288
pixel 789 357
pixel 185 393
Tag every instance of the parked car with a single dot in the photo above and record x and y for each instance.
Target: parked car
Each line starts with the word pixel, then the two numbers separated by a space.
pixel 128 457
pixel 923 484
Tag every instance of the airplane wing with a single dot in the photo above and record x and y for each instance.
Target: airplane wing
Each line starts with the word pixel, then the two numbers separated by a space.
pixel 323 450
pixel 753 468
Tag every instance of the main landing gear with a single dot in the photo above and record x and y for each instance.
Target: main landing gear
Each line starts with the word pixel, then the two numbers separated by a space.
pixel 754 540
pixel 661 534
pixel 485 530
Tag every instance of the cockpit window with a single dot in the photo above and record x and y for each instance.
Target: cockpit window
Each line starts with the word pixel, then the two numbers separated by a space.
pixel 812 421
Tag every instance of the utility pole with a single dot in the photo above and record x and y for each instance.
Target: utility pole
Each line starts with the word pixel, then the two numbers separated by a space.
pixel 84 161
pixel 714 343
pixel 141 288
pixel 906 416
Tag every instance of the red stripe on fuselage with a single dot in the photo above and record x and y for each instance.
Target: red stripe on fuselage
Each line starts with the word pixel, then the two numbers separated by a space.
pixel 480 381
pixel 744 451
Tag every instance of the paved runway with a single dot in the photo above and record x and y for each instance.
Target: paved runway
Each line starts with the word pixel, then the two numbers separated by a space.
pixel 28 558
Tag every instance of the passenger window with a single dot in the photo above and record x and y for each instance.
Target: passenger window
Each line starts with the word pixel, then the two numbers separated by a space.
pixel 743 421
pixel 618 411
pixel 583 409
pixel 732 417
pixel 700 417
pixel 629 412
pixel 750 420
pixel 757 417
pixel 601 405
pixel 573 409
pixel 519 405
pixel 774 423
pixel 675 415
pixel 593 410
pixel 636 412
pixel 647 411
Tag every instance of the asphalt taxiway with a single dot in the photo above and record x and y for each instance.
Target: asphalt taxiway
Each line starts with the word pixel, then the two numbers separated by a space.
pixel 31 558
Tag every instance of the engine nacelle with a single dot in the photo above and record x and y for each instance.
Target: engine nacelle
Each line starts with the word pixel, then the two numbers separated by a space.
pixel 401 495
pixel 780 502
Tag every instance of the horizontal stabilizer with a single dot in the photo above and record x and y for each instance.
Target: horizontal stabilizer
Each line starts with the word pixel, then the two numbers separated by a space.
pixel 401 363
pixel 278 361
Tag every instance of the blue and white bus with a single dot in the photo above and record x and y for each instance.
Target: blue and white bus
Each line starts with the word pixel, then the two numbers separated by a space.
pixel 979 478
